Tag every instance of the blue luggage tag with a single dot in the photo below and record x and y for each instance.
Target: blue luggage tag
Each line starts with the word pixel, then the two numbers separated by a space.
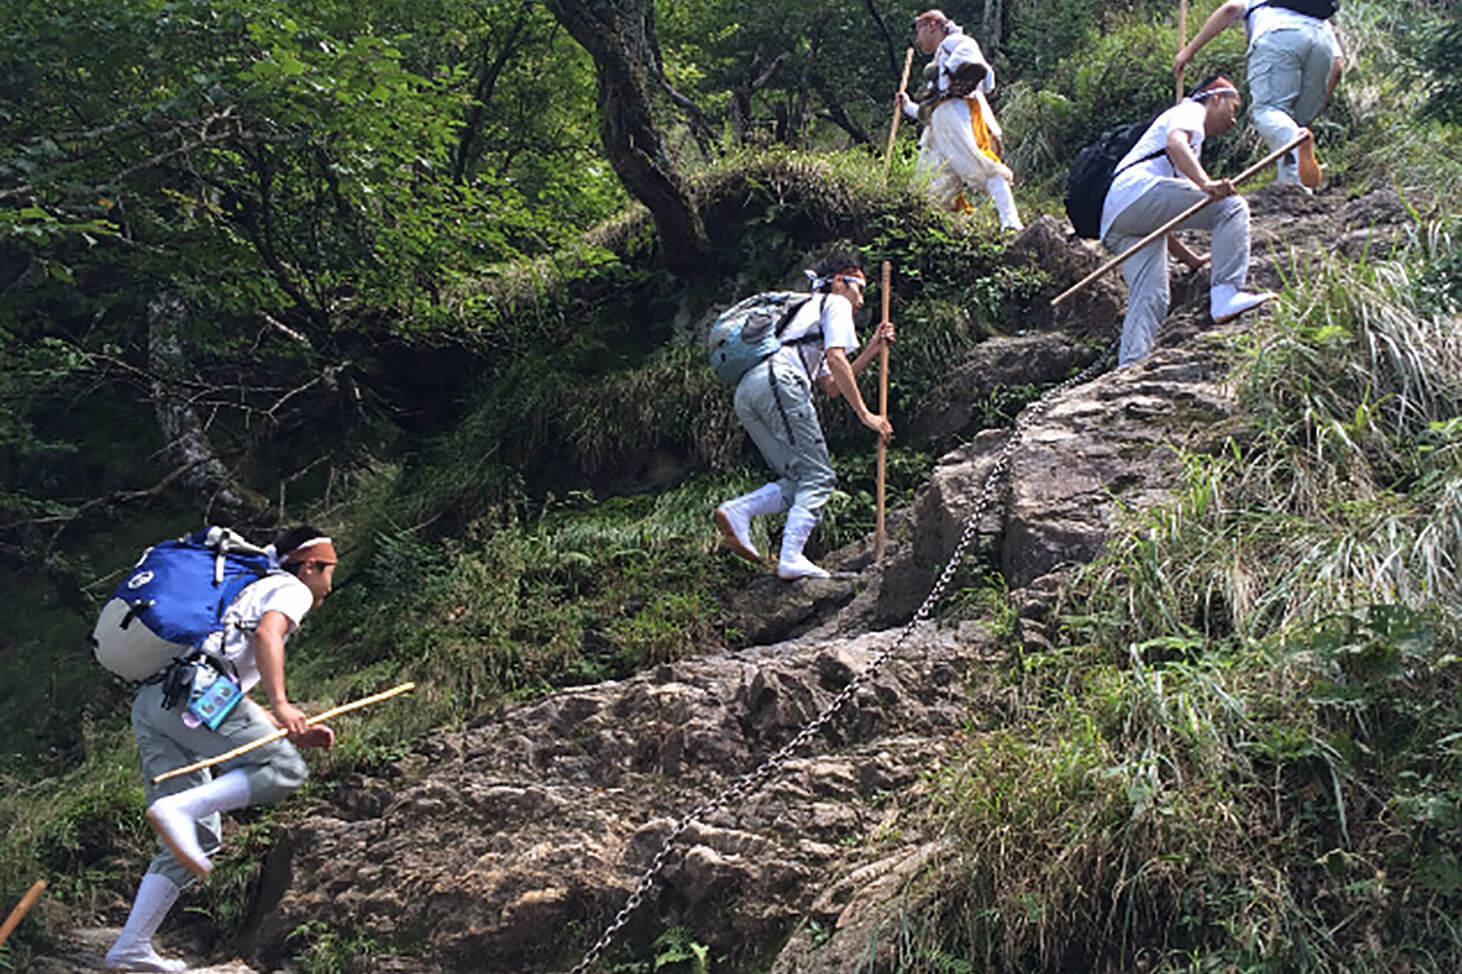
pixel 214 695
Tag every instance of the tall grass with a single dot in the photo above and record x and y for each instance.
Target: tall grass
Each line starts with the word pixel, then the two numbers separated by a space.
pixel 1244 754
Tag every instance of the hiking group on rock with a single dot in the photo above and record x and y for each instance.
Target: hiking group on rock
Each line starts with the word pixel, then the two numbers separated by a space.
pixel 1149 177
pixel 192 706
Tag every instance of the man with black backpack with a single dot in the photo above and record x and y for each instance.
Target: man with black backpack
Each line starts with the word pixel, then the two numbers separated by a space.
pixel 1155 182
pixel 1294 64
pixel 774 403
pixel 179 717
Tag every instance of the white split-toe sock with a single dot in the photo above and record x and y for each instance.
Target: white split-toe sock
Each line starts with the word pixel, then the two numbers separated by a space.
pixel 133 950
pixel 793 564
pixel 733 518
pixel 1226 302
pixel 173 817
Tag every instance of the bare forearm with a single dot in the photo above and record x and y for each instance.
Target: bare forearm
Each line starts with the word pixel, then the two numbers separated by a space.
pixel 846 381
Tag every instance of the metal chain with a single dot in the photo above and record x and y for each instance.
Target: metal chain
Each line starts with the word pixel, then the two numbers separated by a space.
pixel 748 783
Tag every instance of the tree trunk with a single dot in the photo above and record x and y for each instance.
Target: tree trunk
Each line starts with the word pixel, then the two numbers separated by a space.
pixel 182 427
pixel 990 30
pixel 619 34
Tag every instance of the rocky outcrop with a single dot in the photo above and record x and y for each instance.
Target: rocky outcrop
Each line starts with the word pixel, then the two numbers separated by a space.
pixel 1100 450
pixel 506 847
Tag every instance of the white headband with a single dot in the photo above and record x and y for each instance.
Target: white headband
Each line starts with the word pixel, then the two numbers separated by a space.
pixel 1207 92
pixel 815 282
pixel 293 553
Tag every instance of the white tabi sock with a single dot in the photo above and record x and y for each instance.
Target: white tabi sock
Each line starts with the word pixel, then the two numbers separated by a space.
pixel 133 949
pixel 733 518
pixel 999 189
pixel 173 817
pixel 793 564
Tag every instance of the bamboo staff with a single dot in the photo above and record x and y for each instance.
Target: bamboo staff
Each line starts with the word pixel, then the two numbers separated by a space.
pixel 1262 164
pixel 1182 43
pixel 878 531
pixel 21 909
pixel 276 735
pixel 893 130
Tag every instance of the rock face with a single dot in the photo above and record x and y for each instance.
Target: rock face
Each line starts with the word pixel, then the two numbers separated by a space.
pixel 507 847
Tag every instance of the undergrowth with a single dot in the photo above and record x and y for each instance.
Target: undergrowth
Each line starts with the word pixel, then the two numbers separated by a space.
pixel 1244 753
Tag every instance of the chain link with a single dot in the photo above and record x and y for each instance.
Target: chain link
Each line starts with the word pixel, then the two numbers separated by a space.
pixel 748 783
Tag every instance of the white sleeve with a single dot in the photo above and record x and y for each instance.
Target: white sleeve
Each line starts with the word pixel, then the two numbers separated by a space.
pixel 838 330
pixel 292 598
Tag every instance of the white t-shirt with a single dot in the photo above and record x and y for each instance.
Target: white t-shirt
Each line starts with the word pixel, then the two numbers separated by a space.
pixel 1261 18
pixel 276 592
pixel 833 313
pixel 1135 178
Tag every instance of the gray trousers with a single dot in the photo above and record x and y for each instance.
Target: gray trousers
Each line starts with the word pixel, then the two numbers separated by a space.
pixel 1146 271
pixel 164 742
pixel 1289 69
pixel 793 447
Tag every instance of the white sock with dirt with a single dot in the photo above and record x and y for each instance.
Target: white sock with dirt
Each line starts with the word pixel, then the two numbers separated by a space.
pixel 173 816
pixel 734 517
pixel 133 950
pixel 999 189
pixel 793 564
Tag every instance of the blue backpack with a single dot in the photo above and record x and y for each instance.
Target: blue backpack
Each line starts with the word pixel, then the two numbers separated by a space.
pixel 174 599
pixel 750 330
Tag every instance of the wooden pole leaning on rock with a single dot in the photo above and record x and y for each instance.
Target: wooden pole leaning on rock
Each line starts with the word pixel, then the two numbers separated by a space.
pixel 21 909
pixel 1259 166
pixel 878 528
pixel 344 708
pixel 893 129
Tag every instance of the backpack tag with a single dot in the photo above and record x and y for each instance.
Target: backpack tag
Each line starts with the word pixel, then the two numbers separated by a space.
pixel 749 331
pixel 213 697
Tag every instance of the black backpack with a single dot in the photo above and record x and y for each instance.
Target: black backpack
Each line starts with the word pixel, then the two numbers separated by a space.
pixel 1319 9
pixel 1092 174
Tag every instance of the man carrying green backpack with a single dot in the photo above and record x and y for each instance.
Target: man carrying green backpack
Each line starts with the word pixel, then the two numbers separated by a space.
pixel 774 403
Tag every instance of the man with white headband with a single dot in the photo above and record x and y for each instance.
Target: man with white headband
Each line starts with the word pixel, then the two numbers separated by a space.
pixel 184 811
pixel 774 403
pixel 1155 182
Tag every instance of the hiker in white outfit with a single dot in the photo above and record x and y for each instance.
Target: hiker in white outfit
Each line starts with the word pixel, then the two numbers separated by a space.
pixel 960 147
pixel 1294 62
pixel 774 403
pixel 1159 179
pixel 184 811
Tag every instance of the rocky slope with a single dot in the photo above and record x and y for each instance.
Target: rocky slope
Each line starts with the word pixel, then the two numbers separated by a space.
pixel 509 846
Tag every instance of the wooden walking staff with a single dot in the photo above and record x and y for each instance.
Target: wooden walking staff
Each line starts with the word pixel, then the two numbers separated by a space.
pixel 1259 166
pixel 1182 43
pixel 878 531
pixel 21 909
pixel 344 708
pixel 893 130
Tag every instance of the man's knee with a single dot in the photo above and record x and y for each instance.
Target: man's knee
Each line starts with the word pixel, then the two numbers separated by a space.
pixel 279 777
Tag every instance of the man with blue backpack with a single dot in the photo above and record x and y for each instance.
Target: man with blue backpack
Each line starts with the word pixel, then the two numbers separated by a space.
pixel 774 348
pixel 1294 64
pixel 211 615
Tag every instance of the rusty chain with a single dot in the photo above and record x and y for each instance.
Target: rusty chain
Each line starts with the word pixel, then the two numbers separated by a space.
pixel 748 783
